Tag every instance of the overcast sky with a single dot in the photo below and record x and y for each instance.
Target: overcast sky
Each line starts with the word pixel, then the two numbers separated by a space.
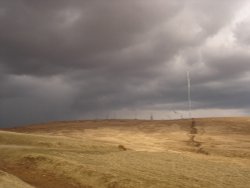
pixel 77 59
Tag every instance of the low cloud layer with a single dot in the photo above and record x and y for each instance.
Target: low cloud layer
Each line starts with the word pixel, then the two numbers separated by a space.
pixel 62 60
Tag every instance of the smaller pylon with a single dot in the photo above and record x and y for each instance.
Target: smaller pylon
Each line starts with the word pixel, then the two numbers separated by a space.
pixel 151 117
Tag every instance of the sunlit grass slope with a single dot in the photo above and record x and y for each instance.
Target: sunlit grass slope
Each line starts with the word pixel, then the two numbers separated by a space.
pixel 124 153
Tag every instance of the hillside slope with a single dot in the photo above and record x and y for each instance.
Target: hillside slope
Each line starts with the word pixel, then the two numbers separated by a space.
pixel 211 152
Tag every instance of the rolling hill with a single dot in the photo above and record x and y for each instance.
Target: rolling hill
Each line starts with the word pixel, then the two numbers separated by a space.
pixel 200 153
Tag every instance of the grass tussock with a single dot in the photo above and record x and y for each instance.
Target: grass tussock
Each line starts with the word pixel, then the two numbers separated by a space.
pixel 122 148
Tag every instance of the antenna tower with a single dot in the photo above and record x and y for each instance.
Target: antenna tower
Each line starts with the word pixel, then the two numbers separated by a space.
pixel 189 95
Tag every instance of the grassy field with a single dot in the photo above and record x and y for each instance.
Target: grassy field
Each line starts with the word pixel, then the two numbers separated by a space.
pixel 204 153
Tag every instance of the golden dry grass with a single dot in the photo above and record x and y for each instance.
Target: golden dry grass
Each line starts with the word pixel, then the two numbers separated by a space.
pixel 8 180
pixel 214 153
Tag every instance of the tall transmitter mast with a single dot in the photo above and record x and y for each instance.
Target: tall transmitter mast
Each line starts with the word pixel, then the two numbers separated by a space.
pixel 189 95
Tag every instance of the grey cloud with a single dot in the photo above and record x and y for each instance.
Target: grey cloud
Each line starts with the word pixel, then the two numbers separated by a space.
pixel 28 99
pixel 72 59
pixel 242 33
pixel 43 39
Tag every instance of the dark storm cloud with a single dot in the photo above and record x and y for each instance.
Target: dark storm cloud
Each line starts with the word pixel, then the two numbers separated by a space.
pixel 71 59
pixel 46 38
